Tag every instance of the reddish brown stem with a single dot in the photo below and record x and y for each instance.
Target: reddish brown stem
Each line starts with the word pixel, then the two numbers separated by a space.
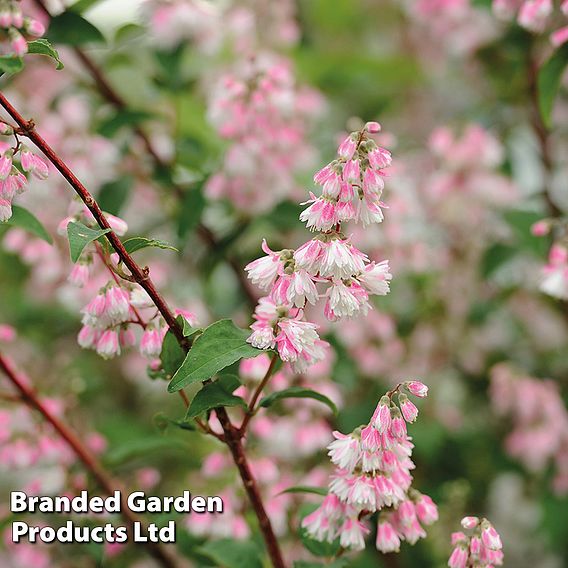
pixel 141 276
pixel 233 440
pixel 103 478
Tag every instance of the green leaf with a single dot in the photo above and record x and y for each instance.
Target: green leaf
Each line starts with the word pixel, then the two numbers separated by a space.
pixel 11 64
pixel 297 392
pixel 232 553
pixel 305 489
pixel 70 28
pixel 214 395
pixel 113 195
pixel 83 5
pixel 191 210
pixel 142 447
pixel 80 236
pixel 137 243
pixel 548 82
pixel 220 345
pixel 521 222
pixel 496 256
pixel 128 31
pixel 162 422
pixel 25 220
pixel 172 355
pixel 124 117
pixel 43 47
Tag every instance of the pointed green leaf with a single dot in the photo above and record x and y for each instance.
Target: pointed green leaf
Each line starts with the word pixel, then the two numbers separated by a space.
pixel 172 355
pixel 297 392
pixel 25 220
pixel 191 209
pixel 80 236
pixel 71 28
pixel 306 489
pixel 121 118
pixel 43 47
pixel 114 194
pixel 548 82
pixel 137 243
pixel 215 394
pixel 11 64
pixel 220 345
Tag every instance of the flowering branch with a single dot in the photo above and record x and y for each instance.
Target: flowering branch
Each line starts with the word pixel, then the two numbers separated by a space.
pixel 141 277
pixel 114 98
pixel 104 479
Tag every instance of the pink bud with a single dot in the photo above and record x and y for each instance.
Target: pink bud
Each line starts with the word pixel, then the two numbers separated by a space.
pixel 118 225
pixel 351 171
pixel 5 210
pixel 409 411
pixel 7 333
pixel 108 345
pixel 5 165
pixel 458 537
pixel 5 18
pixel 87 337
pixel 406 513
pixel 387 539
pixel 559 37
pixel 540 228
pixel 382 415
pixel 373 127
pixel 458 559
pixel 426 510
pixel 127 337
pixel 469 522
pixel 151 343
pixel 490 537
pixel 18 43
pixel 475 545
pixel 347 148
pixel 416 388
pixel 35 28
pixel 79 275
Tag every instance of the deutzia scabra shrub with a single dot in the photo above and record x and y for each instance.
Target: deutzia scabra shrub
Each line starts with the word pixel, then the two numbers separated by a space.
pixel 158 349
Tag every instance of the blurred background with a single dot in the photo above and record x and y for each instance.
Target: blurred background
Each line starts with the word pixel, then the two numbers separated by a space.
pixel 472 312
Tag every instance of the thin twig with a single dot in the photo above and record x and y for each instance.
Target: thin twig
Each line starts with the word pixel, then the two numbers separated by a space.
pixel 104 479
pixel 261 386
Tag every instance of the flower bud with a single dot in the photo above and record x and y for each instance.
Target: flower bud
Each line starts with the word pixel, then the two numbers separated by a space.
pixel 416 388
pixel 469 522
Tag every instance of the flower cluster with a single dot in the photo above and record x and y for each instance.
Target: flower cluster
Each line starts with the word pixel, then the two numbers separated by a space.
pixel 372 474
pixel 533 15
pixel 14 26
pixel 458 25
pixel 173 22
pixel 12 181
pixel 352 187
pixel 540 433
pixel 479 546
pixel 265 116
